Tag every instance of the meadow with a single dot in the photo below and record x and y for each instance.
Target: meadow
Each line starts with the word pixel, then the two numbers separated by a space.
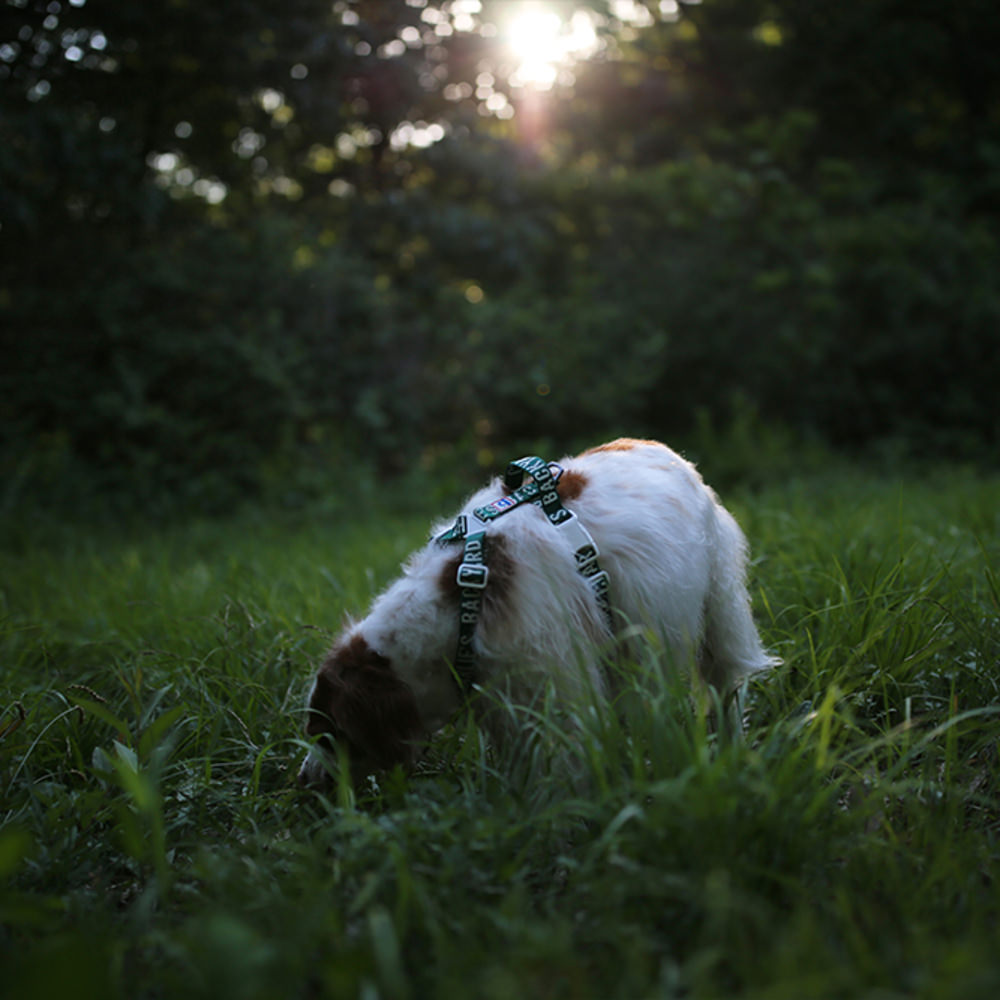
pixel 154 842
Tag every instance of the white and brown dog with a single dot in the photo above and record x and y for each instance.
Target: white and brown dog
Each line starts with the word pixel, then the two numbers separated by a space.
pixel 518 602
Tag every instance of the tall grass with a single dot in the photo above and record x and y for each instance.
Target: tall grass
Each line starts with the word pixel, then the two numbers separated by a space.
pixel 154 842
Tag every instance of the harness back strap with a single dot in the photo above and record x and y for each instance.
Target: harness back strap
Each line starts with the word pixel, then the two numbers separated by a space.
pixel 544 480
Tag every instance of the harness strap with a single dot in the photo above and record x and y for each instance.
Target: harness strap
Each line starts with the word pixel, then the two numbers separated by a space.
pixel 473 573
pixel 541 473
pixel 472 577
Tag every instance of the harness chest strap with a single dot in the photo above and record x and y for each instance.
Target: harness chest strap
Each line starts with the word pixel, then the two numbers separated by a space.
pixel 472 577
pixel 473 572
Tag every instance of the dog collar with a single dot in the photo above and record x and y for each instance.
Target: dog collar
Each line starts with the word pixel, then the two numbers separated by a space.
pixel 473 572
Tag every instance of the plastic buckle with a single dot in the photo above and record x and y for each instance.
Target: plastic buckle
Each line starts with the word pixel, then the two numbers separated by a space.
pixel 472 575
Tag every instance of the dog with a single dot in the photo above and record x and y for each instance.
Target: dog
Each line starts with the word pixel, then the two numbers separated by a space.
pixel 530 586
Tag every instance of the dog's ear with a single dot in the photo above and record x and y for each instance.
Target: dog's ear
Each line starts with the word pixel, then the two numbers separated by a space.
pixel 319 718
pixel 358 698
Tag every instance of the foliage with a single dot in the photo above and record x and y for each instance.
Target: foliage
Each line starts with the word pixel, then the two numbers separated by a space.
pixel 264 238
pixel 154 843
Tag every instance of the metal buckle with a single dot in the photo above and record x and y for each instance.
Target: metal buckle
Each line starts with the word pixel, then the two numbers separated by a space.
pixel 472 575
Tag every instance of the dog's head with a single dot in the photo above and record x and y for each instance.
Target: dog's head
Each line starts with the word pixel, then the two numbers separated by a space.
pixel 359 702
pixel 388 683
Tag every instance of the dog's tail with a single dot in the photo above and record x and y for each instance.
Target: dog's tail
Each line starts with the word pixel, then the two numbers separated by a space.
pixel 731 648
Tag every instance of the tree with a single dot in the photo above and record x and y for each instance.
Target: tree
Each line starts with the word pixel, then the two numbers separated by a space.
pixel 242 229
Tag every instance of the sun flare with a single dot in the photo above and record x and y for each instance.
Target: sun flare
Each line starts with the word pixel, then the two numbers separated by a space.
pixel 542 43
pixel 533 38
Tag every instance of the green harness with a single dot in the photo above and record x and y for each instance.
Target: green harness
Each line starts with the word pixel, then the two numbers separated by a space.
pixel 473 572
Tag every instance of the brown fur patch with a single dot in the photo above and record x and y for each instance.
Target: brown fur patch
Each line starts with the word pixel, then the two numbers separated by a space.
pixel 447 585
pixel 356 654
pixel 623 444
pixel 359 699
pixel 571 485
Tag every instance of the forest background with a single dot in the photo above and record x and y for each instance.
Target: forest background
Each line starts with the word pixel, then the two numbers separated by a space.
pixel 245 243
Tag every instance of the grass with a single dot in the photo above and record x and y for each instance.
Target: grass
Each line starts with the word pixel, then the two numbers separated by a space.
pixel 154 843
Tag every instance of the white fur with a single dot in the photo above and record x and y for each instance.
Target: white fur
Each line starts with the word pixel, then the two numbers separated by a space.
pixel 676 561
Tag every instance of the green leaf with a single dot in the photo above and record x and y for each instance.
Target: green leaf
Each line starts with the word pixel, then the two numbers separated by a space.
pixel 99 711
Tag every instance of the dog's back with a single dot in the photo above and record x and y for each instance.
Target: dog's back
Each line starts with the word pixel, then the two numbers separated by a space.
pixel 675 555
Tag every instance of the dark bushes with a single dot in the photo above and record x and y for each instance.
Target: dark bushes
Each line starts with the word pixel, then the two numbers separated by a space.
pixel 639 303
